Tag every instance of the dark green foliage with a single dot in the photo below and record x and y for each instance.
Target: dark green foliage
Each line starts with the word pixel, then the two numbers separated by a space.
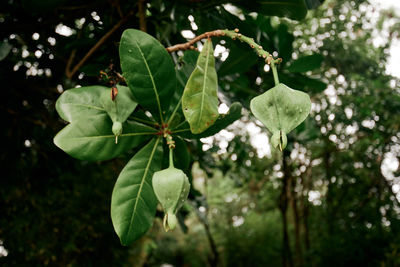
pixel 55 209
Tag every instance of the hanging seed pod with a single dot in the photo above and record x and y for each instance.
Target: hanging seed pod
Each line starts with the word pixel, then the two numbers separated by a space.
pixel 171 187
pixel 281 109
pixel 119 106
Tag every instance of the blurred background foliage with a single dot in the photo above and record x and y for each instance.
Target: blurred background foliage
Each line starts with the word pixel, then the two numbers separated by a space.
pixel 331 199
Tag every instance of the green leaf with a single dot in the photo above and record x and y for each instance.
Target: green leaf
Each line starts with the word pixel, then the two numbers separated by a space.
pixel 122 106
pixel 133 203
pixel 239 61
pixel 181 154
pixel 223 121
pixel 293 9
pixel 183 71
pixel 140 116
pixel 306 63
pixel 281 109
pixel 93 139
pixel 285 42
pixel 200 100
pixel 5 49
pixel 77 103
pixel 148 70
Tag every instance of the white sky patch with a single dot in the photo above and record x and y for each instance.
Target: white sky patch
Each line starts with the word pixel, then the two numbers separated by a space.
pixel 393 66
pixel 259 139
pixel 3 251
pixel 221 51
pixel 192 23
pixel 223 108
pixel 64 30
pixel 237 221
pixel 35 36
pixel 188 34
pixel 314 197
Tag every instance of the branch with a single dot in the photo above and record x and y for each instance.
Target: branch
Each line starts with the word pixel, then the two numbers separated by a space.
pixel 69 73
pixel 142 15
pixel 189 45
pixel 234 35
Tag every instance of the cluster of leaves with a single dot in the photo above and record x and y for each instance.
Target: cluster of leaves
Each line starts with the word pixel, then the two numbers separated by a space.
pixel 150 75
pixel 92 113
pixel 42 182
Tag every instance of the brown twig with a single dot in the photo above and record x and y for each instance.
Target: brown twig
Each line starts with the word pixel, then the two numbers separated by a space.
pixel 69 63
pixel 234 35
pixel 142 15
pixel 189 45
pixel 115 3
pixel 71 73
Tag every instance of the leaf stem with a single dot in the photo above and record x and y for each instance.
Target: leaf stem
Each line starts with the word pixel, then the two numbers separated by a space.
pixel 133 134
pixel 171 158
pixel 144 121
pixel 179 131
pixel 274 72
pixel 180 124
pixel 175 110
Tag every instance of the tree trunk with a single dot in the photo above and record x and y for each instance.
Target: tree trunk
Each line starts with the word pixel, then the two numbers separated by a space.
pixel 287 259
pixel 214 258
pixel 296 216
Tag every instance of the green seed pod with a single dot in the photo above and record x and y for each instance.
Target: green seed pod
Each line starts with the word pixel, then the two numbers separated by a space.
pixel 171 187
pixel 279 140
pixel 117 130
pixel 118 106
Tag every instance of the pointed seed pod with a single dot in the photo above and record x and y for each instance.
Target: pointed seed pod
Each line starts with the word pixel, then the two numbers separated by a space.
pixel 171 187
pixel 279 140
pixel 117 130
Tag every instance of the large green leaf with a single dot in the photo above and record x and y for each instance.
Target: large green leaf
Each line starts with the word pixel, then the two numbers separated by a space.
pixel 122 106
pixel 281 109
pixel 200 100
pixel 184 69
pixel 76 103
pixel 306 63
pixel 133 203
pixel 223 121
pixel 93 139
pixel 148 70
pixel 294 9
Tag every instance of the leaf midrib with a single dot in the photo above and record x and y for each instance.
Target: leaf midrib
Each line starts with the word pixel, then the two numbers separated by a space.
pixel 204 83
pixel 152 80
pixel 141 185
pixel 112 136
pixel 84 105
pixel 277 112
